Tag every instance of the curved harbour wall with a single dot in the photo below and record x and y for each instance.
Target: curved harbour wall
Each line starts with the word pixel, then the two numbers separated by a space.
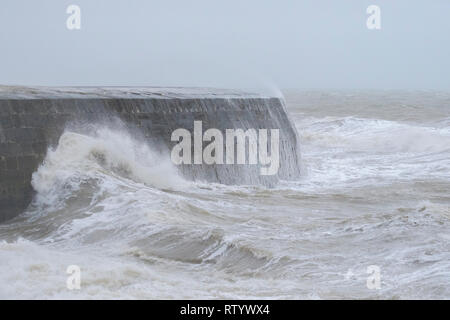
pixel 33 119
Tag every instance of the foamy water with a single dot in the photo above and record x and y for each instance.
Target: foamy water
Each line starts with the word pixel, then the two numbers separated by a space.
pixel 374 191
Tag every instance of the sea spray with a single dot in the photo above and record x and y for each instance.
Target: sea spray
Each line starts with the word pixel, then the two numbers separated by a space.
pixel 82 156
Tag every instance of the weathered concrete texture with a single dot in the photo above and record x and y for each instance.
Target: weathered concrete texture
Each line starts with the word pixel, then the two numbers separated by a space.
pixel 30 123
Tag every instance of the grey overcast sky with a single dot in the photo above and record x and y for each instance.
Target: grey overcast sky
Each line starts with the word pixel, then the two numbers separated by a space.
pixel 227 43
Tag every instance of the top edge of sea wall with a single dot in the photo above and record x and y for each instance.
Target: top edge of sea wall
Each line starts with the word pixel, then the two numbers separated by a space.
pixel 37 92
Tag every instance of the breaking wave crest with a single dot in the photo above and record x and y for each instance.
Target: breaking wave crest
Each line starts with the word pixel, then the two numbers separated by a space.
pixel 374 135
pixel 80 157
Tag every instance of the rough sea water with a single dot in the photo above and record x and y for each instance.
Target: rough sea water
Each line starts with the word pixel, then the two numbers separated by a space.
pixel 374 192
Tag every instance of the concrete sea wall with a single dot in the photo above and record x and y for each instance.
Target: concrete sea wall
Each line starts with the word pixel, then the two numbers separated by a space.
pixel 33 119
